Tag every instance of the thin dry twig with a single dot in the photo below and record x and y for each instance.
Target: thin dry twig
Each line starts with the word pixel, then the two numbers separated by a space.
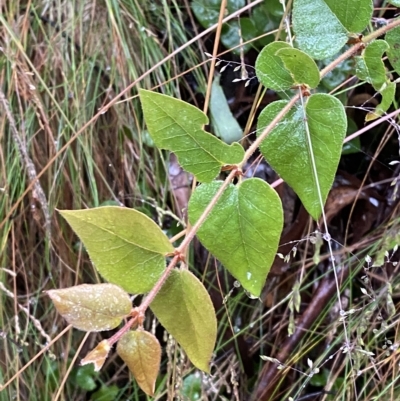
pixel 37 190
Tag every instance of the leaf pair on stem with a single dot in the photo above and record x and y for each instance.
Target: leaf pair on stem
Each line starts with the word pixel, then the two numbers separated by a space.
pixel 239 224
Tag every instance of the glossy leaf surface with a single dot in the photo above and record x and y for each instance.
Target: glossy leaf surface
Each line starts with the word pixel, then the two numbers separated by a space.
pixel 92 307
pixel 286 148
pixel 225 124
pixel 126 246
pixel 242 230
pixel 178 126
pixel 184 308
pixel 301 66
pixel 141 352
pixel 393 53
pixel 270 69
pixel 322 27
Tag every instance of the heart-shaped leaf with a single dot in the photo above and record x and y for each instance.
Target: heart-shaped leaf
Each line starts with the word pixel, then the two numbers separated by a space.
pixel 178 126
pixel 92 307
pixel 322 27
pixel 270 69
pixel 184 308
pixel 288 151
pixel 242 230
pixel 393 53
pixel 141 351
pixel 126 246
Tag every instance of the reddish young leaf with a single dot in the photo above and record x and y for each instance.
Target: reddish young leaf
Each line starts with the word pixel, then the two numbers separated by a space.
pixel 98 355
pixel 141 351
pixel 92 307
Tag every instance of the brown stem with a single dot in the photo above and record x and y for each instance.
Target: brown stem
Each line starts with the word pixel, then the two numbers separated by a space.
pixel 181 249
pixel 113 339
pixel 193 230
pixel 366 39
pixel 214 55
pixel 381 31
pixel 268 129
pixel 348 53
pixel 154 291
pixel 190 235
pixel 37 190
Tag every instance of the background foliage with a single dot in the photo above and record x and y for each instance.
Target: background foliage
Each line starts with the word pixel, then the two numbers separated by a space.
pixel 60 63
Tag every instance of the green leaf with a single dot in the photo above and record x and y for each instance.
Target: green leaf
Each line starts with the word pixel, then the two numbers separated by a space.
pixel 266 17
pixel 318 31
pixel 178 127
pixel 92 307
pixel 192 387
pixel 287 150
pixel 106 393
pixel 393 53
pixel 390 241
pixel 301 66
pixel 207 11
pixel 322 27
pixel 387 91
pixel 126 246
pixel 354 15
pixel 371 68
pixel 184 308
pixel 141 351
pixel 354 146
pixel 85 378
pixel 394 2
pixel 270 69
pixel 242 230
pixel 225 125
pixel 230 34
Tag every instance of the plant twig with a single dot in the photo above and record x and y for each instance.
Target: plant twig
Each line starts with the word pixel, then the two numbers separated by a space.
pixel 42 351
pixel 268 129
pixel 154 291
pixel 182 248
pixel 214 55
pixel 37 190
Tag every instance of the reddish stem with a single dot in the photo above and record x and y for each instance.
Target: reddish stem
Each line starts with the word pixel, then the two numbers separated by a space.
pixel 112 340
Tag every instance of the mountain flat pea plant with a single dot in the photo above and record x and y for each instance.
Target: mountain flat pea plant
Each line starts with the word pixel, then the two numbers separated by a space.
pixel 240 224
